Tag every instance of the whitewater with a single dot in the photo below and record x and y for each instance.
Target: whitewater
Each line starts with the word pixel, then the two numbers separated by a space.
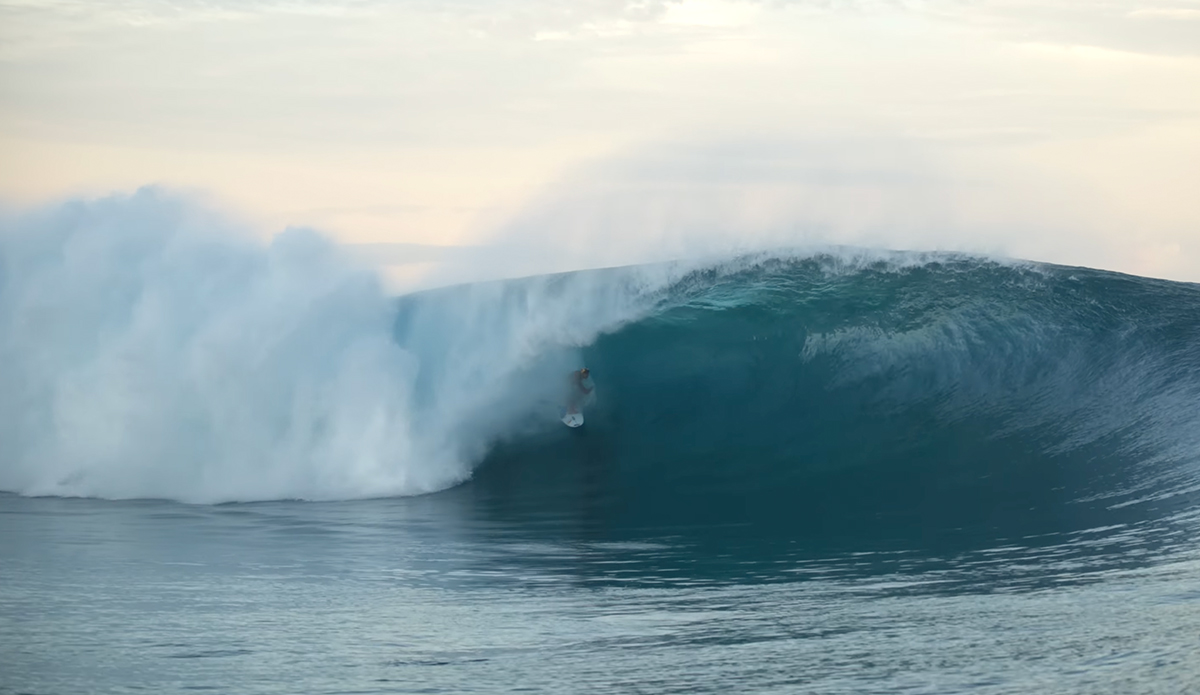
pixel 246 465
pixel 153 351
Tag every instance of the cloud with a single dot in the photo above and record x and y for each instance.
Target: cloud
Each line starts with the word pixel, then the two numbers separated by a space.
pixel 442 122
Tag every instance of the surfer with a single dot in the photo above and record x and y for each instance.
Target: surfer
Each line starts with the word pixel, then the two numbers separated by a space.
pixel 581 388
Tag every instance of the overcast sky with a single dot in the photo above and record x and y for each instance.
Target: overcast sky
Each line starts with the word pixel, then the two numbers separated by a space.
pixel 605 131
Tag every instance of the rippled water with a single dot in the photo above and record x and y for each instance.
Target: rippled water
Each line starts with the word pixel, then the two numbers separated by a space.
pixel 428 595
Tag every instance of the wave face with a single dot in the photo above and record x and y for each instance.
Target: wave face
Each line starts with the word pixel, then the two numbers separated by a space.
pixel 910 395
pixel 150 351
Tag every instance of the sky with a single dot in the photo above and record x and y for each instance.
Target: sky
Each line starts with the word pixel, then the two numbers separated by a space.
pixel 602 132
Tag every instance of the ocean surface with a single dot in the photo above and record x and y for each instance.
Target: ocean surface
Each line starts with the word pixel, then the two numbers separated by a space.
pixel 248 469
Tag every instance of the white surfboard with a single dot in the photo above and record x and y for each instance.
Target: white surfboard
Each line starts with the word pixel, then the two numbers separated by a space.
pixel 576 419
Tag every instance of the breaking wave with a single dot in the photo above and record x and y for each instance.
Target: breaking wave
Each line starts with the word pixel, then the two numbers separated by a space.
pixel 148 353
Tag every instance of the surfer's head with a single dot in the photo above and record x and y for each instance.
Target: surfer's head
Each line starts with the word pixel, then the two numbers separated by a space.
pixel 584 372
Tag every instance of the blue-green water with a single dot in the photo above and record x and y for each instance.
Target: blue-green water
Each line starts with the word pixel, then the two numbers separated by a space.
pixel 248 470
pixel 455 594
